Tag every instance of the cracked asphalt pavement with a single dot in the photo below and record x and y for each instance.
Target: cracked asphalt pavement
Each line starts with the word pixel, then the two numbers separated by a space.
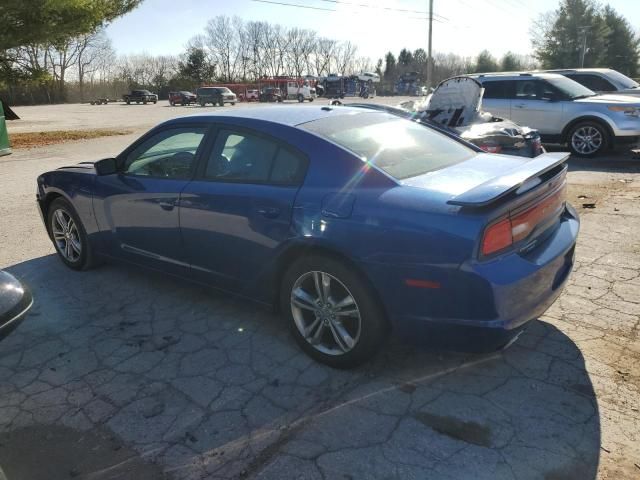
pixel 123 373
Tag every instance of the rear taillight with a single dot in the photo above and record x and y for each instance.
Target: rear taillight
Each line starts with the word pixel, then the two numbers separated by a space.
pixel 497 237
pixel 490 147
pixel 521 223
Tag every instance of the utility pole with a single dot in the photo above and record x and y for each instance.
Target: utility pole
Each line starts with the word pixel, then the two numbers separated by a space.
pixel 583 51
pixel 429 59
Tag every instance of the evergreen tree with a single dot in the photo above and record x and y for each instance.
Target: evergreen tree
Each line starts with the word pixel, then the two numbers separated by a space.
pixel 389 66
pixel 510 62
pixel 486 62
pixel 578 29
pixel 621 44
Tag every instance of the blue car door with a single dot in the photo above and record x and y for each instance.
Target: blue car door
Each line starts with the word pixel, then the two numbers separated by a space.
pixel 238 209
pixel 137 207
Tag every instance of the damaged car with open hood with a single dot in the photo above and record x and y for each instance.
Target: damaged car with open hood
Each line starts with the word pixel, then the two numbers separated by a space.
pixel 455 106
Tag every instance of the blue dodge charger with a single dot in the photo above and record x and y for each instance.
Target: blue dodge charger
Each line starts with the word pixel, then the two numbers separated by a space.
pixel 354 223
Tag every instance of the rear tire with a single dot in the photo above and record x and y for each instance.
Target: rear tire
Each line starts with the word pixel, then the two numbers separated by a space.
pixel 341 336
pixel 588 139
pixel 69 236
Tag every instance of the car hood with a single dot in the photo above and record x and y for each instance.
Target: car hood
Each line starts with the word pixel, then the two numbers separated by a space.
pixel 610 99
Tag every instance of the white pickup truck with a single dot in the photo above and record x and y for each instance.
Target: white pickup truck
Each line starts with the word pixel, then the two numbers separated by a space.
pixel 301 92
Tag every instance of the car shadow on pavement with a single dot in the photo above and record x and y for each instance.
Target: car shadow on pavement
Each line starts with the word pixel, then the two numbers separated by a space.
pixel 210 387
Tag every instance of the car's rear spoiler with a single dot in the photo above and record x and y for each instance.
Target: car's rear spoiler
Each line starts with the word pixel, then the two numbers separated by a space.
pixel 498 187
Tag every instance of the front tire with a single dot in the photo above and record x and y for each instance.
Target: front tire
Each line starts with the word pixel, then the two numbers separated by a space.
pixel 332 312
pixel 588 139
pixel 69 236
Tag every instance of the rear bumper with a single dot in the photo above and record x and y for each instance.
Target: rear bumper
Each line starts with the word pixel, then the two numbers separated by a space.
pixel 482 305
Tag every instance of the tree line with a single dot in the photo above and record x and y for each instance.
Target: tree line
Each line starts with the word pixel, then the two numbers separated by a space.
pixel 46 56
pixel 85 66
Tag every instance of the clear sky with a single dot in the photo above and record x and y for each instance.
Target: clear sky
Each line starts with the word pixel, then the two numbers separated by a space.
pixel 464 27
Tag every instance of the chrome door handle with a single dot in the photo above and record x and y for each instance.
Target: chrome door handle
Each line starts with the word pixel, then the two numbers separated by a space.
pixel 520 105
pixel 167 205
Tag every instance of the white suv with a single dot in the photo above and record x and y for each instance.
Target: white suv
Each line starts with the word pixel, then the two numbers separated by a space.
pixel 563 111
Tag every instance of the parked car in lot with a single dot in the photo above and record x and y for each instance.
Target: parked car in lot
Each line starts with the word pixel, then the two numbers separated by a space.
pixel 602 80
pixel 270 95
pixel 140 96
pixel 252 95
pixel 15 302
pixel 354 222
pixel 563 111
pixel 369 77
pixel 182 97
pixel 215 96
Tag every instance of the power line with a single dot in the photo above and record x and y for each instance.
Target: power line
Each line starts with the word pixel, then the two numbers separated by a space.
pixel 441 19
pixel 405 10
pixel 296 5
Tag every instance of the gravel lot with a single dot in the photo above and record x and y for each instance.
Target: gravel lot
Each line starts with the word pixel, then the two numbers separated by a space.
pixel 143 376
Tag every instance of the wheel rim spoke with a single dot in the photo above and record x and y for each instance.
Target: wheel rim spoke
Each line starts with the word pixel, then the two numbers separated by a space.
pixel 302 299
pixel 338 338
pixel 345 338
pixel 313 328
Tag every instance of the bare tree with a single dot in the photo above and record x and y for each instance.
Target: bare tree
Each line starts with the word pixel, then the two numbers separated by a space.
pixel 94 52
pixel 345 57
pixel 221 40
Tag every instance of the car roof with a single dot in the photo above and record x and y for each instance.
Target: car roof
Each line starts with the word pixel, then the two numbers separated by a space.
pixel 292 115
pixel 577 70
pixel 516 75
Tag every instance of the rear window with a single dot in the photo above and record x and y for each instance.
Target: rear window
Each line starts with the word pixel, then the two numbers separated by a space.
pixel 401 148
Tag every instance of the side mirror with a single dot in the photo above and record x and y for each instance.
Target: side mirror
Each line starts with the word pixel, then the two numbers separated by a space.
pixel 106 166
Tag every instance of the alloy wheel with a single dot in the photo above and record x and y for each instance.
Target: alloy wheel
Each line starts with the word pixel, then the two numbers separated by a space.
pixel 587 140
pixel 325 313
pixel 65 235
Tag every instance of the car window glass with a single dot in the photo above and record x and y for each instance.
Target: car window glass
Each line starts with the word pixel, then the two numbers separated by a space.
pixel 527 90
pixel 497 89
pixel 169 154
pixel 241 157
pixel 288 167
pixel 400 147
pixel 593 82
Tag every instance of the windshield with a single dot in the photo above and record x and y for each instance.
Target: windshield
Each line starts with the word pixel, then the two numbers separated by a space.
pixel 623 80
pixel 184 92
pixel 570 88
pixel 399 147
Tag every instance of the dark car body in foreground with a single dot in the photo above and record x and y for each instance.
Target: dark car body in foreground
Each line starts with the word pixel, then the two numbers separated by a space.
pixel 15 302
pixel 354 222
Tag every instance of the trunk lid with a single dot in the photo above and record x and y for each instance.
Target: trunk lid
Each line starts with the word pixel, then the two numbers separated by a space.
pixel 487 178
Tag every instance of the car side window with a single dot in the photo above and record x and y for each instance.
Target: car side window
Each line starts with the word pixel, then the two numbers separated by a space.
pixel 593 82
pixel 244 157
pixel 527 90
pixel 170 153
pixel 498 89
